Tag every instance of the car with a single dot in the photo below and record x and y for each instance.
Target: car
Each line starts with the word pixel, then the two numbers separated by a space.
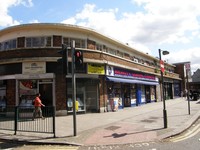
pixel 195 95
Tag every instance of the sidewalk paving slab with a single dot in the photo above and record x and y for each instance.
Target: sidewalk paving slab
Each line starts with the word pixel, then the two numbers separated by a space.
pixel 130 125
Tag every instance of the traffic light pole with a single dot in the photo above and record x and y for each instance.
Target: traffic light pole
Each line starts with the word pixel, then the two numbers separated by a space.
pixel 73 85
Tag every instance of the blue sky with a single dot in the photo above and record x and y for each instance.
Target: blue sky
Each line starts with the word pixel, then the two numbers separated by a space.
pixel 147 25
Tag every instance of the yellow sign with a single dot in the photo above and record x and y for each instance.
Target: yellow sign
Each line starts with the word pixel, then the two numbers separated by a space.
pixel 96 69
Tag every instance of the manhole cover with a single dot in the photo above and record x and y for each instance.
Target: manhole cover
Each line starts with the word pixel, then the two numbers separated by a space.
pixel 112 128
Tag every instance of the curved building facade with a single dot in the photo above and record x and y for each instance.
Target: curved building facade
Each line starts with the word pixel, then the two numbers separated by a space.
pixel 114 75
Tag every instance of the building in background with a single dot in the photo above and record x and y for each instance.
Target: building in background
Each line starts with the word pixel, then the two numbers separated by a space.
pixel 184 70
pixel 114 75
pixel 195 83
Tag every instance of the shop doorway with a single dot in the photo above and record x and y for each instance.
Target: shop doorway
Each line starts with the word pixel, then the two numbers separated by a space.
pixel 46 91
pixel 147 94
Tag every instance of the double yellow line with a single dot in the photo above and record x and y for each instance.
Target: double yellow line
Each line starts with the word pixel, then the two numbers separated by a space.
pixel 187 135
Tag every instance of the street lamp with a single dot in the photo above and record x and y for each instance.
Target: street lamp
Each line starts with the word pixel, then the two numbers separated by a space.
pixel 162 97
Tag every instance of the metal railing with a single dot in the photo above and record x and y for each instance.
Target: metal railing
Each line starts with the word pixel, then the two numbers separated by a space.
pixel 7 118
pixel 18 118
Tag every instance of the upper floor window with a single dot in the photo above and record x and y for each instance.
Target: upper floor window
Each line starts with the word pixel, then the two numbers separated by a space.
pixel 79 43
pixel 111 51
pixel 38 42
pixel 11 44
pixel 120 54
pixel 99 46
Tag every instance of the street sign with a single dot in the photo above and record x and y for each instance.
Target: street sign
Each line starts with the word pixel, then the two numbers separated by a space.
pixel 187 66
pixel 162 68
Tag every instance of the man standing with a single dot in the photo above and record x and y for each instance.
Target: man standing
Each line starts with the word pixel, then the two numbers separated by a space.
pixel 38 104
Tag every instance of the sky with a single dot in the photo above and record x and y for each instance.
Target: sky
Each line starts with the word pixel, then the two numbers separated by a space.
pixel 146 25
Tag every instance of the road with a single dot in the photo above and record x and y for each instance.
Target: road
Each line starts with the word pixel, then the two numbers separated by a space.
pixel 190 139
pixel 6 145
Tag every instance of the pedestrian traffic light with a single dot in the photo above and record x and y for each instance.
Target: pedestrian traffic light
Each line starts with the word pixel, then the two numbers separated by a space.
pixel 78 58
pixel 63 62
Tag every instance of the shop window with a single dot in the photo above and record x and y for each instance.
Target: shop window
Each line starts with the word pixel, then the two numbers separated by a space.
pixel 143 99
pixel 153 93
pixel 27 92
pixel 79 103
pixel 133 94
pixel 127 98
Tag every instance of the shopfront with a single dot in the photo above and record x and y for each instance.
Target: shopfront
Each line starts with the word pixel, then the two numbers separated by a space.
pixel 86 94
pixel 168 90
pixel 27 89
pixel 177 88
pixel 87 88
pixel 129 88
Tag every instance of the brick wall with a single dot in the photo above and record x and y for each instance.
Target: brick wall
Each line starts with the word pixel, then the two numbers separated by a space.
pixel 103 94
pixel 60 87
pixel 10 95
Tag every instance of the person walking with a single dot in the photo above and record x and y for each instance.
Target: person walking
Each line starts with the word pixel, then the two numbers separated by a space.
pixel 38 104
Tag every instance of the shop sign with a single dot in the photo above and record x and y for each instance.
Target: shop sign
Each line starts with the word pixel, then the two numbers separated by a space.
pixel 96 69
pixel 187 66
pixel 134 75
pixel 33 67
pixel 110 70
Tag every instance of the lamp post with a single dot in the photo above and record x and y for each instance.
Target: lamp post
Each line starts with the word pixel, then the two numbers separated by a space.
pixel 162 97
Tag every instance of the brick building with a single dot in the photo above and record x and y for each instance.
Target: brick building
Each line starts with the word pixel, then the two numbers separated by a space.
pixel 113 72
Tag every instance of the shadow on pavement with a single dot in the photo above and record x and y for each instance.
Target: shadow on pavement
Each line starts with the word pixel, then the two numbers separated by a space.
pixel 116 135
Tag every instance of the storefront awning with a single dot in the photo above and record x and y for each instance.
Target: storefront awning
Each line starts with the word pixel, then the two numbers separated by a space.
pixel 123 80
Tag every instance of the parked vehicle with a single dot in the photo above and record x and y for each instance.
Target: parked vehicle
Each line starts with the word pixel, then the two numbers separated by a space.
pixel 195 95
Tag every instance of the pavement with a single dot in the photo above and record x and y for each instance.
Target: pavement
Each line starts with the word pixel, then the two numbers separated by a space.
pixel 142 123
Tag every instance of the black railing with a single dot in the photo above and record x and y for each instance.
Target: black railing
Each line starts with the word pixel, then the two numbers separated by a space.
pixel 7 118
pixel 21 119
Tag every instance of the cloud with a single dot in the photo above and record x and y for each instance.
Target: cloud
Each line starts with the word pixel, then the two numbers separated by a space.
pixel 34 21
pixel 163 22
pixel 6 19
pixel 186 55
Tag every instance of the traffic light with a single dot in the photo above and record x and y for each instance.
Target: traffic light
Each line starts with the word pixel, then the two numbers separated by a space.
pixel 78 59
pixel 63 62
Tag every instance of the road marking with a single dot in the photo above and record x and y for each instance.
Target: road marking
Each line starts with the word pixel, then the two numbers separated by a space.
pixel 189 134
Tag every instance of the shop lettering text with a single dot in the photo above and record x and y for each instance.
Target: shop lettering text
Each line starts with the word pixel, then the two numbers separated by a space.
pixel 133 75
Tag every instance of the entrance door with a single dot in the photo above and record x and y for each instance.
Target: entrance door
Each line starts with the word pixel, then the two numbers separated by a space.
pixel 148 94
pixel 46 92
